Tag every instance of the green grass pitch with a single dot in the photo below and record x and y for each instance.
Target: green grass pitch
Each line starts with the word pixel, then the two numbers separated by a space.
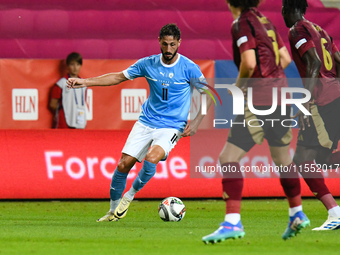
pixel 71 228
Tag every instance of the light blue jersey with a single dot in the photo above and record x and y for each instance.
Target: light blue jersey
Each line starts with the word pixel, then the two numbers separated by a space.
pixel 171 87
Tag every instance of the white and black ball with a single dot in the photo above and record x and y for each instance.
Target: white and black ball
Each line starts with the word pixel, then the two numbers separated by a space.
pixel 171 209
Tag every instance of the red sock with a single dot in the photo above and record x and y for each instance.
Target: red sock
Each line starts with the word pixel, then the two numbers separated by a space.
pixel 232 183
pixel 314 179
pixel 328 201
pixel 233 206
pixel 290 183
pixel 334 158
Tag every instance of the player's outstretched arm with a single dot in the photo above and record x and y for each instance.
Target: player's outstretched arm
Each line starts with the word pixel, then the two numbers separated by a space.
pixel 103 80
pixel 285 58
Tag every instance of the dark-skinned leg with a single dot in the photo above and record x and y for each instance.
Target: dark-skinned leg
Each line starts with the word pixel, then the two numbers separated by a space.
pixel 304 159
pixel 326 157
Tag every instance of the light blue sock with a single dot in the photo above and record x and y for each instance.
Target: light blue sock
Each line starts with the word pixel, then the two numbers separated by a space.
pixel 118 184
pixel 145 174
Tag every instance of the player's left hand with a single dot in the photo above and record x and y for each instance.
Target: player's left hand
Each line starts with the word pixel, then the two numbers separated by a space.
pixel 303 119
pixel 190 129
pixel 73 83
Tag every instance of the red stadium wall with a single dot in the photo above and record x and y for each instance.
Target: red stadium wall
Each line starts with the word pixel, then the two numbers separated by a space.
pixel 128 29
pixel 48 164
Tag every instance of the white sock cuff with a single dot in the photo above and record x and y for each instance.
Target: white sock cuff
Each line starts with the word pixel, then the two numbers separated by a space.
pixel 131 193
pixel 232 218
pixel 334 212
pixel 114 204
pixel 294 210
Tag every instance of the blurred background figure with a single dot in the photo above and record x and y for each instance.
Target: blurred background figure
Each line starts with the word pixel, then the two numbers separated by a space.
pixel 68 105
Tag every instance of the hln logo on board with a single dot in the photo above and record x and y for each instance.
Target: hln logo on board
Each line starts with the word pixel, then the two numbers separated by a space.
pixel 131 103
pixel 25 104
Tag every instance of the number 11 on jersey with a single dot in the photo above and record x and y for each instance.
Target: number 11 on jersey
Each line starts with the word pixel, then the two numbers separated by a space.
pixel 165 94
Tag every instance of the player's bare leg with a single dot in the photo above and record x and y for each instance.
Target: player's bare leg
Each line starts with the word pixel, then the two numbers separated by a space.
pixel 125 163
pixel 154 155
pixel 232 193
pixel 290 182
pixel 118 184
pixel 231 153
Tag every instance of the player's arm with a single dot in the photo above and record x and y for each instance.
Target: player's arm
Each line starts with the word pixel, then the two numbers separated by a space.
pixel 313 62
pixel 55 98
pixel 103 80
pixel 337 63
pixel 242 32
pixel 54 104
pixel 285 58
pixel 336 56
pixel 304 44
pixel 247 67
pixel 191 128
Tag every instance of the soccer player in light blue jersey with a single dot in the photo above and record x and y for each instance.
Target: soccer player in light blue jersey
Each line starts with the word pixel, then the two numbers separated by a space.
pixel 163 119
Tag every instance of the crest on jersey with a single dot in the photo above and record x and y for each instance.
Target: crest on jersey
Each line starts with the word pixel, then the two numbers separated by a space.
pixel 171 75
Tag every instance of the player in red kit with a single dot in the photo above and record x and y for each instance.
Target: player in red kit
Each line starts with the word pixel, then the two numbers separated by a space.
pixel 260 55
pixel 318 61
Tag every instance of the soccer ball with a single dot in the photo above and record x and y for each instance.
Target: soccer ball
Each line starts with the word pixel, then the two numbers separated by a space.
pixel 171 209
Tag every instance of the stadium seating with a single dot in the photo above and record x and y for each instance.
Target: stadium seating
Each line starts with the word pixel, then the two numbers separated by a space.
pixel 122 30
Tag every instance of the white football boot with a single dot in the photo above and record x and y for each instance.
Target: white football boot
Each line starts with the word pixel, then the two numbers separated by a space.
pixel 332 223
pixel 109 216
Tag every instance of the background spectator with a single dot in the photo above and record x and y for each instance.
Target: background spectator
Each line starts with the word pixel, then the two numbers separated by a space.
pixel 68 105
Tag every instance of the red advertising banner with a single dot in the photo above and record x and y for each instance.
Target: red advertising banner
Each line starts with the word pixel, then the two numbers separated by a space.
pixel 25 86
pixel 52 164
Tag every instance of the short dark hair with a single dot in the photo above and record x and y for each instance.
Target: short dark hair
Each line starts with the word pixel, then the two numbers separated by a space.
pixel 295 5
pixel 170 30
pixel 74 56
pixel 246 4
